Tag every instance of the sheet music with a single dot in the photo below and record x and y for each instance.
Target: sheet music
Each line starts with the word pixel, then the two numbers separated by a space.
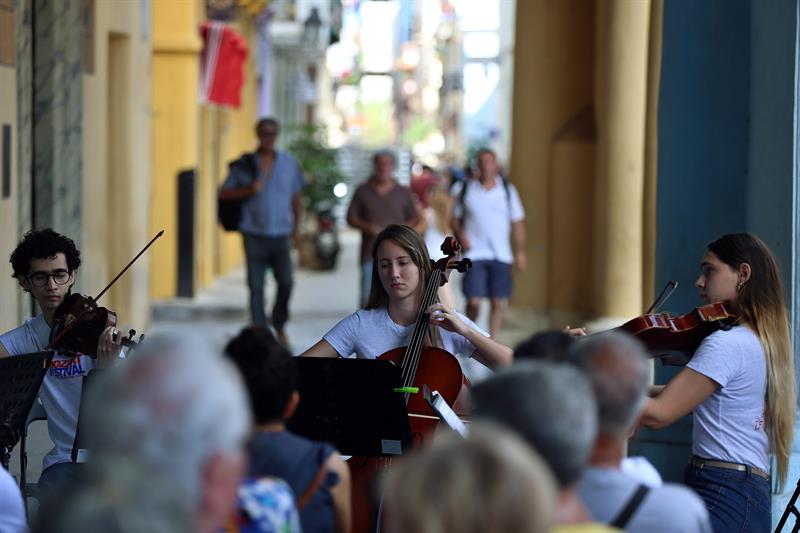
pixel 447 414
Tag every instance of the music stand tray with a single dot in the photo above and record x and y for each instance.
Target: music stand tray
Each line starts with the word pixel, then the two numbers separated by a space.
pixel 20 379
pixel 352 404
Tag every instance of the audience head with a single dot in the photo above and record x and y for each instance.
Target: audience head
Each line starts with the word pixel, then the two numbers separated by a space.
pixel 179 409
pixel 550 405
pixel 123 497
pixel 268 371
pixel 489 482
pixel 548 345
pixel 616 365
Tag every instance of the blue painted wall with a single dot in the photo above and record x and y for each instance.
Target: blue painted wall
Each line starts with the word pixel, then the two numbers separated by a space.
pixel 727 160
pixel 703 124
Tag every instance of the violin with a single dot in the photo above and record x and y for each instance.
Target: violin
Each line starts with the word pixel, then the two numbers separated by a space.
pixel 78 322
pixel 83 321
pixel 674 339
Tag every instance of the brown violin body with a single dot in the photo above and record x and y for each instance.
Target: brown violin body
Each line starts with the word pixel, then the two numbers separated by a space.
pixel 674 339
pixel 77 325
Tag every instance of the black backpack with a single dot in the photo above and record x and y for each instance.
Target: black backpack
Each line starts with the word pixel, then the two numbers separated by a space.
pixel 229 212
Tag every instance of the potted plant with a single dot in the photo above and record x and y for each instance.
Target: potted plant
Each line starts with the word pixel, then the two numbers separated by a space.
pixel 318 162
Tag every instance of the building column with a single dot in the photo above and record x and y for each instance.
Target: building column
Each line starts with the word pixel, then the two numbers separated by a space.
pixel 57 116
pixel 176 53
pixel 621 76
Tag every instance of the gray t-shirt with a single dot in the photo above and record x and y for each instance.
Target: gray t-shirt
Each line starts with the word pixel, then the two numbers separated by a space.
pixel 369 333
pixel 669 508
pixel 729 424
pixel 61 389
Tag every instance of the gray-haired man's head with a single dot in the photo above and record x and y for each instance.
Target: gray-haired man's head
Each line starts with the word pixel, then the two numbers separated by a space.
pixel 176 407
pixel 551 405
pixel 616 364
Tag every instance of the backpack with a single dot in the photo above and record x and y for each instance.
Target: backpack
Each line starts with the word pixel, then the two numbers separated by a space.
pixel 229 212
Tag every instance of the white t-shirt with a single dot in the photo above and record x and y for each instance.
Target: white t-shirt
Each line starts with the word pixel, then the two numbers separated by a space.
pixel 61 389
pixel 369 333
pixel 729 424
pixel 12 509
pixel 487 215
pixel 669 508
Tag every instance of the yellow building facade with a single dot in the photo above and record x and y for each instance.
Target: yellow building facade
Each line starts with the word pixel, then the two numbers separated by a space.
pixel 98 58
pixel 187 135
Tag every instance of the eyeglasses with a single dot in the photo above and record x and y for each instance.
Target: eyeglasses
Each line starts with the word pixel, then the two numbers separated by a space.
pixel 40 279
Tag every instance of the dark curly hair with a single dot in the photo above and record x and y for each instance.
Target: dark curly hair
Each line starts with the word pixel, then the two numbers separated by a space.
pixel 43 244
pixel 267 369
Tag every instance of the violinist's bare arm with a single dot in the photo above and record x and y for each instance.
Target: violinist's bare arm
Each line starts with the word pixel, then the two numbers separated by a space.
pixel 321 349
pixel 487 350
pixel 109 346
pixel 680 396
pixel 655 390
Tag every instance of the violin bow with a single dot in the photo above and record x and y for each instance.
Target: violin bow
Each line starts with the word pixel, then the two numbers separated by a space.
pixel 663 297
pixel 94 300
pixel 132 261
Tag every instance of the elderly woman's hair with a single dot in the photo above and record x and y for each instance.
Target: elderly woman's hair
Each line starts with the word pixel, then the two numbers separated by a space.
pixel 491 481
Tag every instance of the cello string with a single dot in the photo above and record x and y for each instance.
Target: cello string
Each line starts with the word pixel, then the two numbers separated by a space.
pixel 414 351
pixel 409 359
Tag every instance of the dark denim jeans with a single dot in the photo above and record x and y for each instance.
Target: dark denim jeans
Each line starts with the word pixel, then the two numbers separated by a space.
pixel 274 253
pixel 736 501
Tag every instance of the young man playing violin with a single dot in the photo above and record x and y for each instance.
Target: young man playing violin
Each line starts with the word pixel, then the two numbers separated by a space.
pixel 45 264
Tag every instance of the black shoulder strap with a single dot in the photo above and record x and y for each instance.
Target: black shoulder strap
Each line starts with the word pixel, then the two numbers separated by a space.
pixel 463 192
pixel 508 194
pixel 630 508
pixel 246 163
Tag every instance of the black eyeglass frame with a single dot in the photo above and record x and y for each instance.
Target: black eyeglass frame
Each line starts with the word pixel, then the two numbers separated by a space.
pixel 44 277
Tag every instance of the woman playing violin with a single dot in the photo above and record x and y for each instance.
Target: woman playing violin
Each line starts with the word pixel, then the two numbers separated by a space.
pixel 400 268
pixel 45 264
pixel 740 387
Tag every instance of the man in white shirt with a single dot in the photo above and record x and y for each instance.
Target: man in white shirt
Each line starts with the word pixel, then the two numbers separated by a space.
pixel 487 218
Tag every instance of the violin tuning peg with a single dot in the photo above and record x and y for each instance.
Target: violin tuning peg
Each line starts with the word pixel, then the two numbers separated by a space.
pixel 131 333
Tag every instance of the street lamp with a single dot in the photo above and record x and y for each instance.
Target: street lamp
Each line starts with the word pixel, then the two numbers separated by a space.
pixel 311 28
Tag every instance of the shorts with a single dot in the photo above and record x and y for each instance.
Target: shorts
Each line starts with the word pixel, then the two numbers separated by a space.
pixel 487 279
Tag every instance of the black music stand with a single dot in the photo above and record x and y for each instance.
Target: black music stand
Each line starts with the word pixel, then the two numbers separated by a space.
pixel 352 403
pixel 20 379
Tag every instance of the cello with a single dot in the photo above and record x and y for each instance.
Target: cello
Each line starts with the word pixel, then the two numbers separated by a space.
pixel 420 366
